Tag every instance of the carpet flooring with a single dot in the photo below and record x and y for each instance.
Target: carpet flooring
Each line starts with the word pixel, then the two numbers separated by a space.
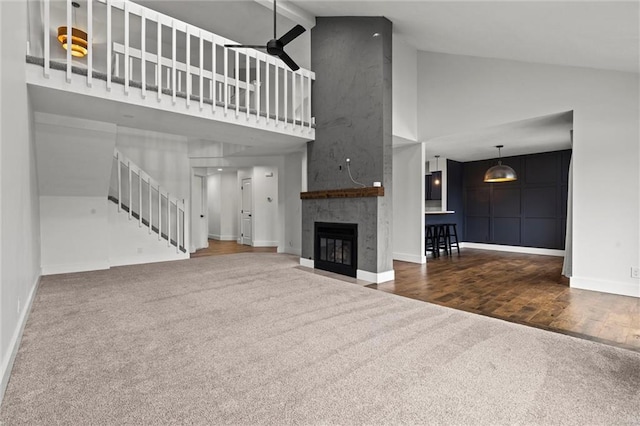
pixel 251 339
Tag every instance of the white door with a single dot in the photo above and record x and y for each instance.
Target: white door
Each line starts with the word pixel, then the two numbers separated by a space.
pixel 199 221
pixel 246 211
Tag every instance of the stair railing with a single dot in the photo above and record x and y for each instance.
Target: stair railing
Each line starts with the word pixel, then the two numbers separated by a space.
pixel 144 200
pixel 194 67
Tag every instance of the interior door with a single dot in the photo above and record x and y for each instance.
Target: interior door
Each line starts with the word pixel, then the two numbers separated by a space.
pixel 246 211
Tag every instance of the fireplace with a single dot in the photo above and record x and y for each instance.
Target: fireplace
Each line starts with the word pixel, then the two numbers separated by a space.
pixel 336 247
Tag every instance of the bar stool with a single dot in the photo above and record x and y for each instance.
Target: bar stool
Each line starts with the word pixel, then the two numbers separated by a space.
pixel 431 240
pixel 442 232
pixel 451 232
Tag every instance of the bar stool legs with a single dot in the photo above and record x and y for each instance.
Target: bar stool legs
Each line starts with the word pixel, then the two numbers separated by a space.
pixel 452 227
pixel 431 240
pixel 441 237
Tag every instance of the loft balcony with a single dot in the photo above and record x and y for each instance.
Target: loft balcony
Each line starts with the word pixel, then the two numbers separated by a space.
pixel 140 58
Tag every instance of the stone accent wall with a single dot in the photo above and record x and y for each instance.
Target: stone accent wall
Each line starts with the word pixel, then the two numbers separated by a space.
pixel 352 105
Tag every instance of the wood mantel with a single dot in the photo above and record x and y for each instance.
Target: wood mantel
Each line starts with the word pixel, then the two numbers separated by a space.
pixel 370 191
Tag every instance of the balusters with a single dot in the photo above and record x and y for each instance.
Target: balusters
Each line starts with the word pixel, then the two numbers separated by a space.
pixel 268 83
pixel 285 81
pixel 177 228
pixel 277 93
pixel 89 43
pixel 258 85
pixel 188 73
pixel 150 205
pixel 69 42
pixel 143 51
pixel 173 62
pixel 214 81
pixel 247 82
pixel 286 95
pixel 109 45
pixel 236 77
pixel 309 117
pixel 159 64
pixel 47 37
pixel 159 214
pixel 127 65
pixel 293 99
pixel 224 85
pixel 118 162
pixel 168 221
pixel 201 60
pixel 139 198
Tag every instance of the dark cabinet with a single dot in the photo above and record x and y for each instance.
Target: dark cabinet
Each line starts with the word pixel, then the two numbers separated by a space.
pixel 433 186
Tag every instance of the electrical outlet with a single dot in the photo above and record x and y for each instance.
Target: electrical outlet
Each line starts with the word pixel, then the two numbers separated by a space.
pixel 140 250
pixel 635 272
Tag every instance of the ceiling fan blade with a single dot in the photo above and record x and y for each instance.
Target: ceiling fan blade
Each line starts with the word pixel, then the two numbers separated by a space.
pixel 287 60
pixel 247 46
pixel 292 34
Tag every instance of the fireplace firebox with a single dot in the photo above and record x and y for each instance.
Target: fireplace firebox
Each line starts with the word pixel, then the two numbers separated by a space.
pixel 336 247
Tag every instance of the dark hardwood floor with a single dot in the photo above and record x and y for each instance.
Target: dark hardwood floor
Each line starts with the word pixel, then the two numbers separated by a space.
pixel 522 288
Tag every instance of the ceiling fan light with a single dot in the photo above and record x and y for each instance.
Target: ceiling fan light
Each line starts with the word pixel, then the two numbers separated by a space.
pixel 500 173
pixel 79 44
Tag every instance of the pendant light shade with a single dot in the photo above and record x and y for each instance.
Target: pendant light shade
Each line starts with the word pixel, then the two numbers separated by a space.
pixel 500 172
pixel 79 39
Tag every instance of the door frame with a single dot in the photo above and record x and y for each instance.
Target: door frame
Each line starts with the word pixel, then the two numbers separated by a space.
pixel 242 222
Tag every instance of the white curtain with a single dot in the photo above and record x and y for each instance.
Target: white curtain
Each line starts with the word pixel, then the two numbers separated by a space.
pixel 567 266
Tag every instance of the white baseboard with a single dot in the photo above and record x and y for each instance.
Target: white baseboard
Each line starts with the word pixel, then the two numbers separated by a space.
pixel 513 249
pixel 308 263
pixel 373 277
pixel 405 257
pixel 297 251
pixel 147 259
pixel 264 243
pixel 74 267
pixel 14 344
pixel 223 237
pixel 605 286
pixel 379 277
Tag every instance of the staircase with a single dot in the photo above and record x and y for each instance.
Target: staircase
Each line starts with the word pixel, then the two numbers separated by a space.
pixel 144 201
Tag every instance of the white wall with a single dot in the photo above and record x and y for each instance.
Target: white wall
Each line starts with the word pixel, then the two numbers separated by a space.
pixel 228 206
pixel 163 156
pixel 408 203
pixel 130 244
pixel 75 156
pixel 75 234
pixel 266 225
pixel 19 208
pixel 463 93
pixel 291 204
pixel 199 221
pixel 213 205
pixel 405 95
pixel 223 206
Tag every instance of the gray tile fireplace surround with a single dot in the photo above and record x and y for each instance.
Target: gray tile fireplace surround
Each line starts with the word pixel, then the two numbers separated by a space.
pixel 352 105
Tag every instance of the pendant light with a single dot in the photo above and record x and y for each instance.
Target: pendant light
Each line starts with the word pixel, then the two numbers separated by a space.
pixel 79 44
pixel 437 181
pixel 501 172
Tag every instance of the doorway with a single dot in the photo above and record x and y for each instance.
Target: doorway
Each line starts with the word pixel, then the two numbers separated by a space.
pixel 246 212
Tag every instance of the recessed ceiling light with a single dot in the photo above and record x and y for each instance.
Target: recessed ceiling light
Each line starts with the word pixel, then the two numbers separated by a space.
pixel 219 170
pixel 376 34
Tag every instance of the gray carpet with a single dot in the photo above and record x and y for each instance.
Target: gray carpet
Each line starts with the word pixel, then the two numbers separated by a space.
pixel 251 339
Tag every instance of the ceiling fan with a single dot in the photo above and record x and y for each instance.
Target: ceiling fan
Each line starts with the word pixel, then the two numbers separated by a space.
pixel 275 47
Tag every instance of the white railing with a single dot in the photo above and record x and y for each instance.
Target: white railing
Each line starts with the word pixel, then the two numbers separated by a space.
pixel 144 200
pixel 153 52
